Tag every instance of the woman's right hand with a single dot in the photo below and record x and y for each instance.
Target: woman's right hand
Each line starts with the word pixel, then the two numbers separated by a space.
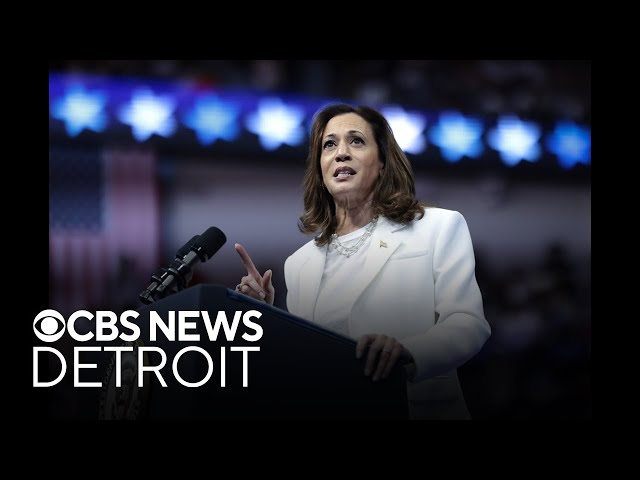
pixel 253 284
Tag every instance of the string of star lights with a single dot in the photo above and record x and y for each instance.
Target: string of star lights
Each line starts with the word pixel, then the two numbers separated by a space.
pixel 150 109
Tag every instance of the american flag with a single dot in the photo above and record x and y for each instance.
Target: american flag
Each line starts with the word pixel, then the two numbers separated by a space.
pixel 104 227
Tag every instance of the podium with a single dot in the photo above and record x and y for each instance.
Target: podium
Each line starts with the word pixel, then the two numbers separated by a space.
pixel 301 371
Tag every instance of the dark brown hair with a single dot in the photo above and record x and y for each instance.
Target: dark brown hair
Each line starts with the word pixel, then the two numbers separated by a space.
pixel 394 193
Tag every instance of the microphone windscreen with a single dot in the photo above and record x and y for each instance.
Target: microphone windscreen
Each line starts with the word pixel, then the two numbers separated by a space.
pixel 211 241
pixel 186 247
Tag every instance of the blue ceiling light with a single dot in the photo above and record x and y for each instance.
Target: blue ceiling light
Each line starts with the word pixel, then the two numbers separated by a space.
pixel 407 128
pixel 276 123
pixel 148 114
pixel 80 109
pixel 457 136
pixel 212 119
pixel 571 143
pixel 515 140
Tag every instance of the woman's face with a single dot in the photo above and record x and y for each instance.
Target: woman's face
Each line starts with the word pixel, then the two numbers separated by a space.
pixel 349 159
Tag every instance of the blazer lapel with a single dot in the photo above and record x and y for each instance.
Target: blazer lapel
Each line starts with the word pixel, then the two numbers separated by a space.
pixel 310 277
pixel 383 244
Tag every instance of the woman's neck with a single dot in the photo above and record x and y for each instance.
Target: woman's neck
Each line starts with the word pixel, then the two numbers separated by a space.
pixel 350 219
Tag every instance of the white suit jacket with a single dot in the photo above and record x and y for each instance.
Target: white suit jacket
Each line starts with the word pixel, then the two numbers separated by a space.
pixel 418 285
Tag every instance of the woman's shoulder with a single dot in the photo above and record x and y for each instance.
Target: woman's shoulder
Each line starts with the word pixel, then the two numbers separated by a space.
pixel 440 223
pixel 435 217
pixel 439 214
pixel 304 251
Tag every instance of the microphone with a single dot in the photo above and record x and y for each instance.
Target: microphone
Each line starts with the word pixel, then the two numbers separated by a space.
pixel 186 247
pixel 158 277
pixel 178 275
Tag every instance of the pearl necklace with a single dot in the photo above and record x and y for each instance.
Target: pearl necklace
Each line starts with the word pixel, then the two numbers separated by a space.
pixel 348 251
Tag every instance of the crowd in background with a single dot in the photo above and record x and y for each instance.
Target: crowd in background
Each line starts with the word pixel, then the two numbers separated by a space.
pixel 537 361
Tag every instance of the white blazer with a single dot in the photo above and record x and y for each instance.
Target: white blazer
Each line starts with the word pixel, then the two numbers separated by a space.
pixel 418 285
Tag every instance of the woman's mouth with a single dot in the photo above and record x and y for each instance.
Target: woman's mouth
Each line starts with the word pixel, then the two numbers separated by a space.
pixel 343 172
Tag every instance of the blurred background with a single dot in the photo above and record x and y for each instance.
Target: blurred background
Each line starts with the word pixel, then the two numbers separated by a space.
pixel 144 154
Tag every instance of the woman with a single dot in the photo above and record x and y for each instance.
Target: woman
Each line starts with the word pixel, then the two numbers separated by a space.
pixel 384 269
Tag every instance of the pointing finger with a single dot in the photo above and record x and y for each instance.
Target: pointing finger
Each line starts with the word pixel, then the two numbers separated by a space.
pixel 248 263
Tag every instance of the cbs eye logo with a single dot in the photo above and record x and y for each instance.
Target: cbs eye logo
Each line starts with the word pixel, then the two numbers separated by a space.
pixel 49 326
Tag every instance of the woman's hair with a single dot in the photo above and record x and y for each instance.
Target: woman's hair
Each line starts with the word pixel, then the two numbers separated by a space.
pixel 394 192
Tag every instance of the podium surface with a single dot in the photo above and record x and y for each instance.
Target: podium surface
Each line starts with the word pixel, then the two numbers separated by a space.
pixel 301 370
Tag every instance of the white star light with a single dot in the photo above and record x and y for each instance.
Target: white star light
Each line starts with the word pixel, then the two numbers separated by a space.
pixel 515 140
pixel 457 136
pixel 275 124
pixel 212 119
pixel 407 128
pixel 148 114
pixel 79 109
